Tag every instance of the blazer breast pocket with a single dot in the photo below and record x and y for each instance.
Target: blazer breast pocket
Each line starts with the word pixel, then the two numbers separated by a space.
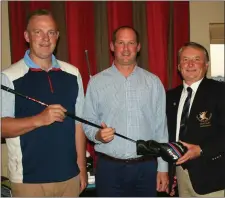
pixel 204 119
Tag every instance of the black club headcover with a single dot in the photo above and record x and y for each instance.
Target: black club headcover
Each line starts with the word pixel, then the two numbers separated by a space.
pixel 149 147
pixel 172 151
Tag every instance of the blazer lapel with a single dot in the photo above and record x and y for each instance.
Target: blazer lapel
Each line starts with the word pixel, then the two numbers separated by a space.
pixel 176 100
pixel 172 111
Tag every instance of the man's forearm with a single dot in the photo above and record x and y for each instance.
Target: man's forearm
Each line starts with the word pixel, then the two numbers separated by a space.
pixel 13 127
pixel 81 146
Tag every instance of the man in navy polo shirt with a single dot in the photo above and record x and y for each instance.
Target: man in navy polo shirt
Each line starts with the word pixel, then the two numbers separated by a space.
pixel 46 149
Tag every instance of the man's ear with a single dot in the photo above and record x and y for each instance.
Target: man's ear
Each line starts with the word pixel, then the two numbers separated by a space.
pixel 111 46
pixel 138 47
pixel 207 66
pixel 178 67
pixel 26 36
pixel 58 34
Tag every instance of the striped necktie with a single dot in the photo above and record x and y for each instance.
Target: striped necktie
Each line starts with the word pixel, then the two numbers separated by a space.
pixel 185 114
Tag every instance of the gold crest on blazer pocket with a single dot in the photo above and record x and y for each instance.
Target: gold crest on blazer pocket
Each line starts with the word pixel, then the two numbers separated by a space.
pixel 204 118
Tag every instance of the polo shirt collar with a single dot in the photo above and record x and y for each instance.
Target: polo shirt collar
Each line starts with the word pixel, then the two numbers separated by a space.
pixel 32 65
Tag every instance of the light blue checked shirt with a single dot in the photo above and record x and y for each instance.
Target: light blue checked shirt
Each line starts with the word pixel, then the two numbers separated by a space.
pixel 134 106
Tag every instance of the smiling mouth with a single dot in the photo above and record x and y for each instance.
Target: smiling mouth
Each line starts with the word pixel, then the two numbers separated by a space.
pixel 191 70
pixel 125 54
pixel 44 45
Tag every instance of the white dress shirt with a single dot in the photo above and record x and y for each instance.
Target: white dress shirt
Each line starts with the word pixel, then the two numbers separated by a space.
pixel 183 97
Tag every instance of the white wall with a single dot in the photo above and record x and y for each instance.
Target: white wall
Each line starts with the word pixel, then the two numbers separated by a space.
pixel 5 42
pixel 5 62
pixel 201 14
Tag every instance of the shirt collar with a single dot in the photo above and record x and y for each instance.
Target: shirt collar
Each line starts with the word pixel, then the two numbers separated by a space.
pixel 32 65
pixel 134 71
pixel 194 86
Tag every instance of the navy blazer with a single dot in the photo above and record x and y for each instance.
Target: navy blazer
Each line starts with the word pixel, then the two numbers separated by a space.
pixel 205 127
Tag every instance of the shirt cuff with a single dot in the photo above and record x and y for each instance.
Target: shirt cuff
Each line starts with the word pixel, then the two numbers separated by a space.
pixel 91 134
pixel 162 165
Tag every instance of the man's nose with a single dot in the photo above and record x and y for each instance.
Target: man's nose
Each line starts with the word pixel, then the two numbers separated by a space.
pixel 45 36
pixel 125 47
pixel 191 62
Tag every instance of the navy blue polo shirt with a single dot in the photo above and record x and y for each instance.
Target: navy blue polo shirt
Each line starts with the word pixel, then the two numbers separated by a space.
pixel 46 154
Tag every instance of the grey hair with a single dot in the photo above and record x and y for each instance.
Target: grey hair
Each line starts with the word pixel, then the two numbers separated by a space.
pixel 194 45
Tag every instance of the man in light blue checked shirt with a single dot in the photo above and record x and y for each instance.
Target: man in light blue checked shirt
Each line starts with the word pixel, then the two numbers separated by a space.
pixel 130 101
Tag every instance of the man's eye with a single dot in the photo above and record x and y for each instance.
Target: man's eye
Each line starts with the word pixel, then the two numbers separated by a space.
pixel 52 33
pixel 37 31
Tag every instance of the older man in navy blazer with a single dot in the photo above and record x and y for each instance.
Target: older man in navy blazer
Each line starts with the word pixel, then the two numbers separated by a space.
pixel 196 117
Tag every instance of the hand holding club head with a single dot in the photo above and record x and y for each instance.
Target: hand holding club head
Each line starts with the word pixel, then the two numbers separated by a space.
pixel 172 151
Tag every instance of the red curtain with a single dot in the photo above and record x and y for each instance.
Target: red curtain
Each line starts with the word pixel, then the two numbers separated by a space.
pixel 157 30
pixel 181 34
pixel 17 22
pixel 80 32
pixel 33 5
pixel 119 14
